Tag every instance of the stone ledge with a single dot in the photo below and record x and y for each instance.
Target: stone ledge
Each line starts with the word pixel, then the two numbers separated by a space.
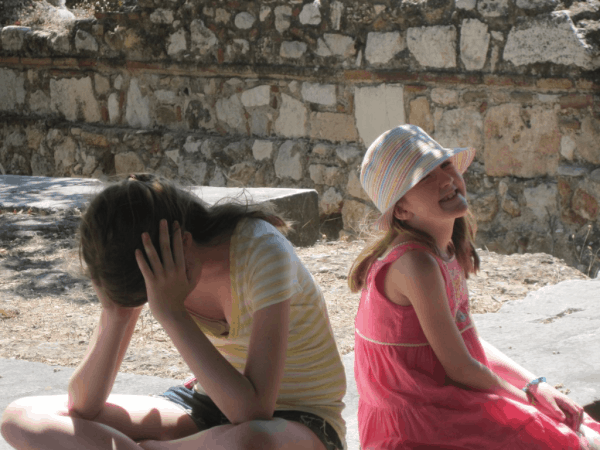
pixel 52 194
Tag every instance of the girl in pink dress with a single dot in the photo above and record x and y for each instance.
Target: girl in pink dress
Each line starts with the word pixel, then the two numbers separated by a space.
pixel 425 378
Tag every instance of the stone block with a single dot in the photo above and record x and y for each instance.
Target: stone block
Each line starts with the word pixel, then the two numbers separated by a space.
pixel 461 127
pixel 283 16
pixel 333 127
pixel 549 38
pixel 137 110
pixel 258 96
pixel 378 109
pixel 310 14
pixel 289 161
pixel 585 204
pixel 588 139
pixel 85 42
pixel 522 142
pixel 420 114
pixel 129 162
pixel 347 153
pixel 322 174
pixel 493 8
pixel 162 16
pixel 203 40
pixel 433 46
pixel 74 99
pixel 292 118
pixel 474 43
pixel 467 5
pixel 262 150
pixel 484 207
pixel 13 38
pixel 567 147
pixel 176 43
pixel 244 20
pixel 530 5
pixel 12 93
pixel 333 44
pixel 330 202
pixel 322 94
pixel 383 47
pixel 542 200
pixel 292 49
pixel 444 97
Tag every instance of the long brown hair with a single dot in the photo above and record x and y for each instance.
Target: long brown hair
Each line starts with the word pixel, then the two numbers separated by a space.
pixel 112 225
pixel 463 237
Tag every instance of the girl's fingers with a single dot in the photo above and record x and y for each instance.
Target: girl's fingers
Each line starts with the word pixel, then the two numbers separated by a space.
pixel 157 267
pixel 165 245
pixel 178 245
pixel 144 268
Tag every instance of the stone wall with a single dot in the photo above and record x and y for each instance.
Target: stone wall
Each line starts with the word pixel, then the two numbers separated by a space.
pixel 290 93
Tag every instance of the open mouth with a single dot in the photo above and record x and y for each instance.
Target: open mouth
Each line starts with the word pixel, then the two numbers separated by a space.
pixel 450 196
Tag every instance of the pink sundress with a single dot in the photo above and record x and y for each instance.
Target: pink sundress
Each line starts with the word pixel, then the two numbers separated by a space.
pixel 405 400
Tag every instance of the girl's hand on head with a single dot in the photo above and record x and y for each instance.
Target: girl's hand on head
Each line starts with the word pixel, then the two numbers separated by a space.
pixel 167 284
pixel 555 404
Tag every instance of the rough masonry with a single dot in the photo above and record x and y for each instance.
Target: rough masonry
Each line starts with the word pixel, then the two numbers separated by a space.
pixel 291 93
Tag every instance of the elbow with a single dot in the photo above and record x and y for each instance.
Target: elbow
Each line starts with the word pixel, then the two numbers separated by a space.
pixel 252 411
pixel 464 374
pixel 81 406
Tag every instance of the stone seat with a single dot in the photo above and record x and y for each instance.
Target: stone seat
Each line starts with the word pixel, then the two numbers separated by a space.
pixel 52 194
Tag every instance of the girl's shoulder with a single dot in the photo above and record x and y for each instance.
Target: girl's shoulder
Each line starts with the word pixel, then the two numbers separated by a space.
pixel 397 250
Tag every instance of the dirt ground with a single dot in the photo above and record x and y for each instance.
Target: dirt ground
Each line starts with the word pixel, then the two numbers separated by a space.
pixel 48 309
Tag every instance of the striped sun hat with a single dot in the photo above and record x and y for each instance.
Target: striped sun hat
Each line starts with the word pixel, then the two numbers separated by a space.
pixel 399 159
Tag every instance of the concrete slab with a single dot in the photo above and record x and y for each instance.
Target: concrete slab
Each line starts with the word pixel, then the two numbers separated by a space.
pixel 44 193
pixel 553 332
pixel 27 379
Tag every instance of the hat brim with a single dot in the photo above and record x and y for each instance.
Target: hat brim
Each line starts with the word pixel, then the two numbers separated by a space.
pixel 463 157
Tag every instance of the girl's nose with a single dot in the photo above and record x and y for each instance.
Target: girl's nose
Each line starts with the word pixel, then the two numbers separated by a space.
pixel 445 178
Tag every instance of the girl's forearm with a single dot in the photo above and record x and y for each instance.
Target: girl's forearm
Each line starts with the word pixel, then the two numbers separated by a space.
pixel 231 391
pixel 93 379
pixel 505 367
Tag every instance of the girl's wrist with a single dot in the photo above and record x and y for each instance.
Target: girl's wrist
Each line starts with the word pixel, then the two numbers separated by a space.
pixel 531 387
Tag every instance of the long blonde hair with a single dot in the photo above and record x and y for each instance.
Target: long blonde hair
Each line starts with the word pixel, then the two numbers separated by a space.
pixel 463 237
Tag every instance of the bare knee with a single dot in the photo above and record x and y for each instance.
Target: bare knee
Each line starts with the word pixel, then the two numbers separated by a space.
pixel 258 434
pixel 22 417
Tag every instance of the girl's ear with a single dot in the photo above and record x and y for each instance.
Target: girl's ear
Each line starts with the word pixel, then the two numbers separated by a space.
pixel 400 213
pixel 186 238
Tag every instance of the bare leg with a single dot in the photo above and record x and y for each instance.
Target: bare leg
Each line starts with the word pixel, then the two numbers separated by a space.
pixel 45 423
pixel 275 434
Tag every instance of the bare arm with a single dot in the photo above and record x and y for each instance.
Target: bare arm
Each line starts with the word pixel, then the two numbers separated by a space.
pixel 93 379
pixel 417 277
pixel 241 397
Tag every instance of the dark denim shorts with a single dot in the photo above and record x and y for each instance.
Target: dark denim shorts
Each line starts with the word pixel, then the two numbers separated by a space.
pixel 206 415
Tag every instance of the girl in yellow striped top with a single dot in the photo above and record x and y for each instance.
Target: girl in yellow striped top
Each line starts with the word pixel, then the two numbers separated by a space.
pixel 239 306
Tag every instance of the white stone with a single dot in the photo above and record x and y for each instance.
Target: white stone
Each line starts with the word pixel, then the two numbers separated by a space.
pixel 570 171
pixel 433 46
pixel 59 42
pixel 222 16
pixel 330 202
pixel 191 145
pixel 283 15
pixel 536 4
pixel 294 87
pixel 288 163
pixel 258 96
pixel 165 97
pixel 114 115
pixel 71 96
pixel 176 43
pixel 567 147
pixel 128 162
pixel 461 127
pixel 444 97
pixel 465 4
pixel 101 84
pixel 218 179
pixel 12 90
pixel 137 111
pixel 64 154
pixel 378 109
pixel 347 153
pixel 474 43
pixel 13 38
pixel 203 39
pixel 244 20
pixel 265 11
pixel 379 9
pixel 322 174
pixel 231 111
pixel 382 47
pixel 240 46
pixel 85 42
pixel 292 118
pixel 173 155
pixel 493 8
pixel 118 83
pixel 335 44
pixel 354 188
pixel 39 102
pixel 323 94
pixel 337 9
pixel 542 200
pixel 262 150
pixel 547 98
pixel 498 36
pixel 548 38
pixel 161 15
pixel 310 14
pixel 195 173
pixel 292 49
